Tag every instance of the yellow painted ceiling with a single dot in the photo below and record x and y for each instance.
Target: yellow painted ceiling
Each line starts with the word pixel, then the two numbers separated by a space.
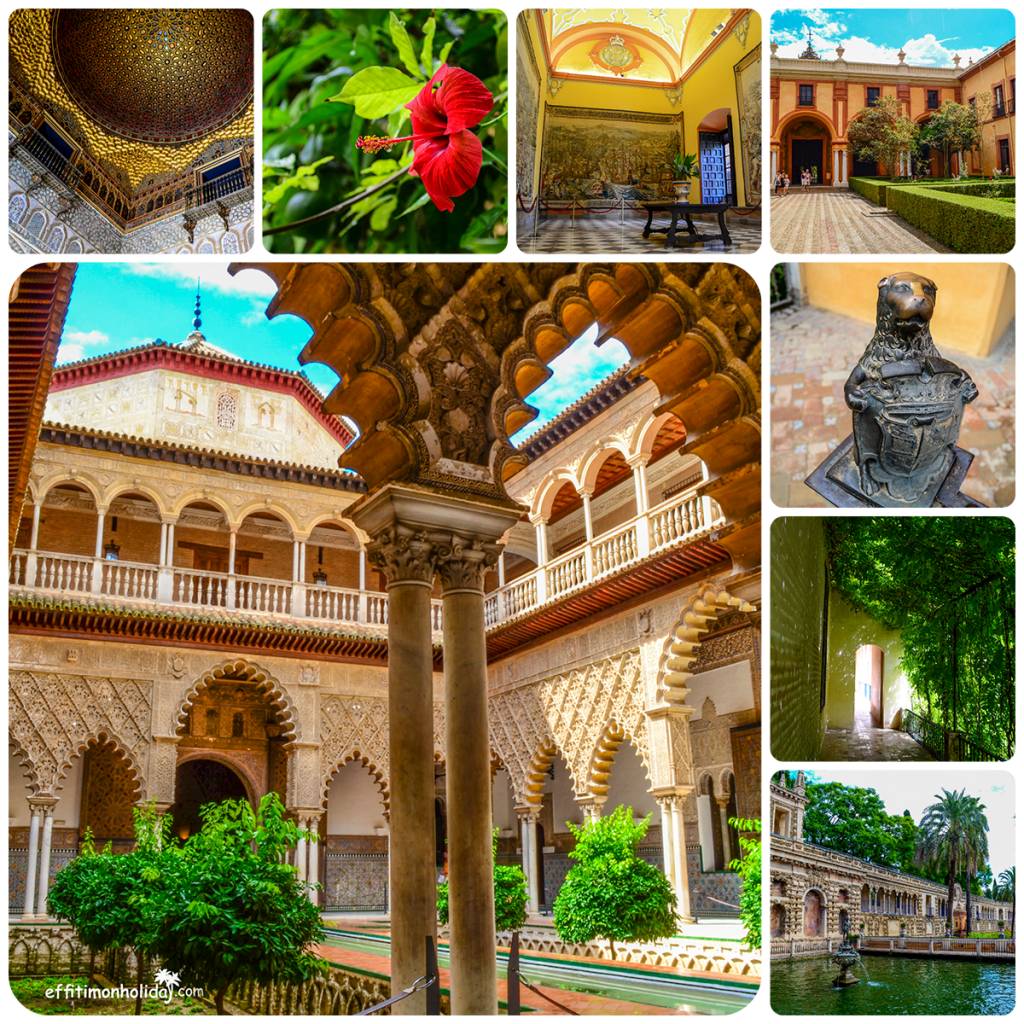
pixel 142 66
pixel 669 40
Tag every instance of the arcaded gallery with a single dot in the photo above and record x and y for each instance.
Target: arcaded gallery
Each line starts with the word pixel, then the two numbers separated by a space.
pixel 130 131
pixel 227 584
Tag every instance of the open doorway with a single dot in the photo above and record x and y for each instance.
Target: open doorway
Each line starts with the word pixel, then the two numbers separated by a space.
pixel 868 697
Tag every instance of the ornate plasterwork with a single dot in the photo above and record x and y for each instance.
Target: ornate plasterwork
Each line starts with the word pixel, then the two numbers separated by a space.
pixel 33 67
pixel 585 714
pixel 275 694
pixel 53 717
pixel 680 650
pixel 355 728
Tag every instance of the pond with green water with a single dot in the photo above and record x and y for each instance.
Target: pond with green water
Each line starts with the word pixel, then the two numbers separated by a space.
pixel 893 985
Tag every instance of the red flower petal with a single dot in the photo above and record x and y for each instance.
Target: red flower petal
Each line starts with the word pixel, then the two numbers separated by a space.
pixel 448 166
pixel 464 99
pixel 447 156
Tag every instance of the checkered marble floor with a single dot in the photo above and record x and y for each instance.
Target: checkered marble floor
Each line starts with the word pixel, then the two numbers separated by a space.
pixel 600 234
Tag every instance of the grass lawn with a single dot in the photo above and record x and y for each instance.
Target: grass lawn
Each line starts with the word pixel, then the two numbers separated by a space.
pixel 31 993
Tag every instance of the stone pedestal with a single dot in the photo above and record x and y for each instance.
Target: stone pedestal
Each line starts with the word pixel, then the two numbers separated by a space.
pixel 837 480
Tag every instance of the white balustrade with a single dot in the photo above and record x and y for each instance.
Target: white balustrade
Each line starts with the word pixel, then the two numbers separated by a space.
pixel 676 521
pixel 128 579
pixel 332 603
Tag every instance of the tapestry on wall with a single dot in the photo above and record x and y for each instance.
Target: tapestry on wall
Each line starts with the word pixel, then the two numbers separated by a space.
pixel 608 154
pixel 527 110
pixel 748 96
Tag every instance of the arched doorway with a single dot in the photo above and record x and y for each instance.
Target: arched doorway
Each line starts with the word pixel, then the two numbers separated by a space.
pixel 868 699
pixel 199 782
pixel 807 143
pixel 814 913
pixel 109 793
pixel 778 921
pixel 235 720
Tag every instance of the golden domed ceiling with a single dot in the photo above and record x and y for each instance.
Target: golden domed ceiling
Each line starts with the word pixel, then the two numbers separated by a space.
pixel 647 45
pixel 163 77
pixel 144 91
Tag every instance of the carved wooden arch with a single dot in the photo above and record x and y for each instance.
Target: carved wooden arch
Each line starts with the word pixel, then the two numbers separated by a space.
pixel 693 329
pixel 684 639
pixel 276 694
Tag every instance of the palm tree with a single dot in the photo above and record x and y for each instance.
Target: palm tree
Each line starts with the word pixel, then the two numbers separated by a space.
pixel 1008 887
pixel 977 853
pixel 953 834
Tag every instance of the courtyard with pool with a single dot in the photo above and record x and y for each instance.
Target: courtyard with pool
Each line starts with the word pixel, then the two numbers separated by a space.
pixel 892 893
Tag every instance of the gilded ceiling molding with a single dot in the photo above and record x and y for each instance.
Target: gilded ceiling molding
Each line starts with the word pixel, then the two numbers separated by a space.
pixel 114 91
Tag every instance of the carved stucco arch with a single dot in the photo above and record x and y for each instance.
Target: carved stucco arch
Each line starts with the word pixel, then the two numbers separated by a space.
pixel 253 505
pixel 24 761
pixel 680 649
pixel 275 692
pixel 358 757
pixel 392 333
pixel 123 485
pixel 642 441
pixel 319 518
pixel 602 763
pixel 355 728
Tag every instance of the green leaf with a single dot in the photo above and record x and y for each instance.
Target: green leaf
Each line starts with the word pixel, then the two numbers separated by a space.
pixel 395 121
pixel 381 216
pixel 382 167
pixel 483 224
pixel 501 49
pixel 428 42
pixel 421 201
pixel 404 46
pixel 445 50
pixel 303 178
pixel 486 246
pixel 376 92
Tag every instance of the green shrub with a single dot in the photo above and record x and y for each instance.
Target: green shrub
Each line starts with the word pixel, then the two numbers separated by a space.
pixel 870 188
pixel 966 223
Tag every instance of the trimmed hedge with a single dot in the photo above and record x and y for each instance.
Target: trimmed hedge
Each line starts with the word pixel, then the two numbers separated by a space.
pixel 870 188
pixel 967 223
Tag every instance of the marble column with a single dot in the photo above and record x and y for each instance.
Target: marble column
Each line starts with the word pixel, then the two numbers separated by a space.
pixel 531 856
pixel 588 519
pixel 416 533
pixel 406 557
pixel 682 880
pixel 33 857
pixel 31 559
pixel 97 566
pixel 461 569
pixel 313 875
pixel 668 857
pixel 44 862
pixel 300 853
pixel 723 816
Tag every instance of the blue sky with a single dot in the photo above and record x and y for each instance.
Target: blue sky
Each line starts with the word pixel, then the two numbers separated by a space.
pixel 928 37
pixel 115 306
pixel 913 790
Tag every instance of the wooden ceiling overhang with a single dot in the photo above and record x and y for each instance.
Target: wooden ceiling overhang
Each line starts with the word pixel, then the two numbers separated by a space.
pixel 411 343
pixel 38 305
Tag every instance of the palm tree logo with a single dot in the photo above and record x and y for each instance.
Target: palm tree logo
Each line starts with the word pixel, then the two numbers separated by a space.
pixel 167 979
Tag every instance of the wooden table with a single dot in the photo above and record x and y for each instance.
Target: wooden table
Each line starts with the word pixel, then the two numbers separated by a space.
pixel 686 210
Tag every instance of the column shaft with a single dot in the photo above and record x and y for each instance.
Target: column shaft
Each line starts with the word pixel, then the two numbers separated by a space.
pixel 666 842
pixel 163 543
pixel 33 856
pixel 34 539
pixel 300 854
pixel 44 862
pixel 682 880
pixel 232 546
pixel 474 983
pixel 534 876
pixel 411 739
pixel 314 862
pixel 101 518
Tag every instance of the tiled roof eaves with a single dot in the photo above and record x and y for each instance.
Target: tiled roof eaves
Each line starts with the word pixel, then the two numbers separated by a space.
pixel 200 458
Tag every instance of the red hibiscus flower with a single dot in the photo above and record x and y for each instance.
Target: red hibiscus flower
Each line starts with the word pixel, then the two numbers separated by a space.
pixel 447 155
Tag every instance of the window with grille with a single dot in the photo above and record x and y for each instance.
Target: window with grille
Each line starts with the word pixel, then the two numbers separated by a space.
pixel 806 95
pixel 873 96
pixel 226 412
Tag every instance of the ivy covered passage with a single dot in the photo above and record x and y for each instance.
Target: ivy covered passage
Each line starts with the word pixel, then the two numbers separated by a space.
pixel 947 585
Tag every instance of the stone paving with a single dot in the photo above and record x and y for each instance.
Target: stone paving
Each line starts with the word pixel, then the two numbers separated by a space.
pixel 865 742
pixel 829 220
pixel 812 353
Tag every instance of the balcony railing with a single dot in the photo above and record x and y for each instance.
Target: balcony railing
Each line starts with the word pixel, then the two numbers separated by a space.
pixel 47 157
pixel 226 185
pixel 682 519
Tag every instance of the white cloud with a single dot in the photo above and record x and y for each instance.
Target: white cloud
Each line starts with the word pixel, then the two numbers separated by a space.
pixel 75 345
pixel 214 277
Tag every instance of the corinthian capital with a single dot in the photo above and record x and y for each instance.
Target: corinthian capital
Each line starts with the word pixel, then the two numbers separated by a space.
pixel 462 564
pixel 403 555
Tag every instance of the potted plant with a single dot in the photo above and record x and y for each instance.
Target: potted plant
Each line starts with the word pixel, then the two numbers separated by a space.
pixel 903 929
pixel 684 166
pixel 1002 929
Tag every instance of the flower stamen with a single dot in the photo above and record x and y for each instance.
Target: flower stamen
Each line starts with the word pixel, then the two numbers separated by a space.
pixel 375 143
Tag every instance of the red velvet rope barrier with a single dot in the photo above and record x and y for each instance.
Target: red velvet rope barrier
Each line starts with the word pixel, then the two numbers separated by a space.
pixel 519 200
pixel 608 209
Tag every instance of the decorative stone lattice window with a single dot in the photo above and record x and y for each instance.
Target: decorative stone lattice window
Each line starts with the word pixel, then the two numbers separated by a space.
pixel 227 412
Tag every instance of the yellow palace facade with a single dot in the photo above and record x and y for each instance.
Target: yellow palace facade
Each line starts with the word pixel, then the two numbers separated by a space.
pixel 814 98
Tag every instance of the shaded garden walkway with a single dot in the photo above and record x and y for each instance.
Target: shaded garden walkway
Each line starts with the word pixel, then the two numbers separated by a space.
pixel 866 742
